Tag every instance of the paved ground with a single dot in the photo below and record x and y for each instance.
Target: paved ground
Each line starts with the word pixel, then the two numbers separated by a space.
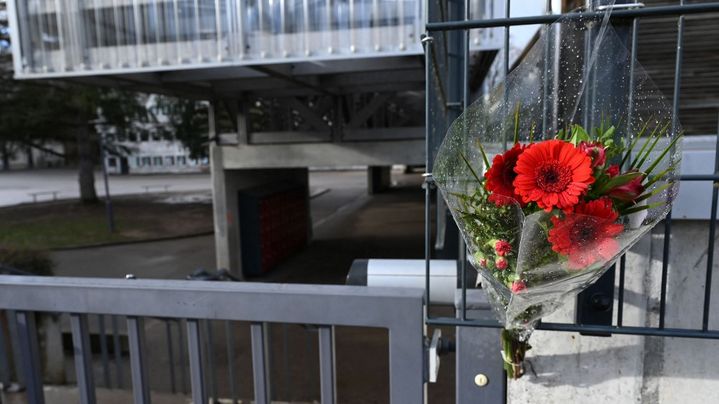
pixel 339 194
pixel 15 186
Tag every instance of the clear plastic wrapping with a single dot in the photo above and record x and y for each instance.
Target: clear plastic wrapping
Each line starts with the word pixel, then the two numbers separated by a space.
pixel 556 173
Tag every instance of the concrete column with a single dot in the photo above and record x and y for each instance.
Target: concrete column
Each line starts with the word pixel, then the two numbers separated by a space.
pixel 226 231
pixel 226 184
pixel 378 179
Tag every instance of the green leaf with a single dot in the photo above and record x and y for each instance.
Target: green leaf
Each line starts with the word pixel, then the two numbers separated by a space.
pixel 648 195
pixel 618 181
pixel 474 173
pixel 653 139
pixel 634 143
pixel 655 178
pixel 579 135
pixel 636 209
pixel 664 153
pixel 531 132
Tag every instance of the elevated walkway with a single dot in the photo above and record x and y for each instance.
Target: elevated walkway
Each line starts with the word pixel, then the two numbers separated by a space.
pixel 218 48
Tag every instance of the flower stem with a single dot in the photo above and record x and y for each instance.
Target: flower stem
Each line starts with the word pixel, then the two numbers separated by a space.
pixel 514 348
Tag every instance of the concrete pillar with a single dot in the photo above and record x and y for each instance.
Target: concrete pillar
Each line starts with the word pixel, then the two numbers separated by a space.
pixel 226 184
pixel 378 179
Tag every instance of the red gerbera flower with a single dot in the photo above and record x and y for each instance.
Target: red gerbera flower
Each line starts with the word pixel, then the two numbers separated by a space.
pixel 501 176
pixel 587 235
pixel 553 173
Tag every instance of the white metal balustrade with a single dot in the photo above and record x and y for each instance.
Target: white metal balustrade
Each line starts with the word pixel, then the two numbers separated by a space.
pixel 77 38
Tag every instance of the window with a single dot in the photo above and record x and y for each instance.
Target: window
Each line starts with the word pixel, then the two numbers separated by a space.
pixel 155 135
pixel 138 161
pixel 169 160
pixel 157 161
pixel 146 161
pixel 181 160
pixel 112 162
pixel 144 136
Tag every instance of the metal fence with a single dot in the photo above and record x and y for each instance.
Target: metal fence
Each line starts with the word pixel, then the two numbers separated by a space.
pixel 400 311
pixel 447 85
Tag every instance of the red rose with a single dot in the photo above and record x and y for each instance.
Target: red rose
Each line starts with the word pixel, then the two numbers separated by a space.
pixel 502 247
pixel 613 170
pixel 629 191
pixel 595 151
pixel 501 263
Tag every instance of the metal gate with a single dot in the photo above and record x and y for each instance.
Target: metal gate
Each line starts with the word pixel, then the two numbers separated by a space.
pixel 447 55
pixel 399 311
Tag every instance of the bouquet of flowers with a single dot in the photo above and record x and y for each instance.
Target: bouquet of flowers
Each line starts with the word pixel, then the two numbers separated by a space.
pixel 546 204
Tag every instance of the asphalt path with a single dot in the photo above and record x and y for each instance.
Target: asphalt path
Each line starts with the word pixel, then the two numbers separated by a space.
pixel 337 194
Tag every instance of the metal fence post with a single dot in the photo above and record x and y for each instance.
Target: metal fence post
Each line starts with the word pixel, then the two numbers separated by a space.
pixel 140 385
pixel 83 358
pixel 480 377
pixel 30 353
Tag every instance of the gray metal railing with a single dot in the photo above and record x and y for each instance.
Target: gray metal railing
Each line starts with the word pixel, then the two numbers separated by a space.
pixel 400 311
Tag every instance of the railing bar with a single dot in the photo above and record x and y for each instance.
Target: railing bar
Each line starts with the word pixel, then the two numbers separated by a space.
pixel 328 378
pixel 712 237
pixel 4 360
pixel 104 355
pixel 211 384
pixel 505 47
pixel 675 123
pixel 665 268
pixel 465 102
pixel 178 50
pixel 620 295
pixel 218 29
pixel 197 377
pixel 657 11
pixel 260 363
pixel 308 349
pixel 428 165
pixel 196 38
pixel 14 333
pixel 286 362
pixel 83 358
pixel 699 177
pixel 230 339
pixel 567 327
pixel 171 356
pixel 632 67
pixel 139 32
pixel 183 363
pixel 30 354
pixel 630 117
pixel 138 370
pixel 117 351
